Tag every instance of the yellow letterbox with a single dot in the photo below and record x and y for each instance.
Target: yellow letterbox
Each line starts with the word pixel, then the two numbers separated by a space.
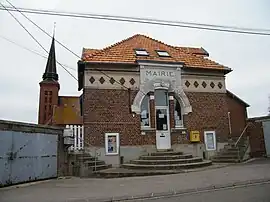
pixel 194 136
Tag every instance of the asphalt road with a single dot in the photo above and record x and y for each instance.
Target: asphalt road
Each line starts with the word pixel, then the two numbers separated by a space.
pixel 253 193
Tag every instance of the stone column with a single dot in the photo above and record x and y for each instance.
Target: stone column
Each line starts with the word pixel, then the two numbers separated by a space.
pixel 171 109
pixel 152 110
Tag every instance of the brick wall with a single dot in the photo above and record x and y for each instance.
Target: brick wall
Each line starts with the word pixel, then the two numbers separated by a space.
pixel 256 139
pixel 47 102
pixel 107 110
pixel 238 116
pixel 209 112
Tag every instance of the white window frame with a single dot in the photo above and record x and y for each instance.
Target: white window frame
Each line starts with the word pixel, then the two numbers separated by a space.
pixel 182 121
pixel 214 139
pixel 141 52
pixel 162 53
pixel 117 144
pixel 149 111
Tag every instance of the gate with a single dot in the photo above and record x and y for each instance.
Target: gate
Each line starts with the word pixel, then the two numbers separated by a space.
pixel 266 131
pixel 27 157
pixel 78 134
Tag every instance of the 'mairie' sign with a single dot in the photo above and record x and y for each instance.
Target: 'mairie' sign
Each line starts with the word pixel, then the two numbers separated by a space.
pixel 159 73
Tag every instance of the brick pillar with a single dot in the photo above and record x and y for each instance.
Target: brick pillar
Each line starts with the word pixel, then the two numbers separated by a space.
pixel 171 109
pixel 152 110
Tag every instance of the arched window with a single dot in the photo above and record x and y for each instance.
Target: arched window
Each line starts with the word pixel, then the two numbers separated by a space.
pixel 145 112
pixel 178 114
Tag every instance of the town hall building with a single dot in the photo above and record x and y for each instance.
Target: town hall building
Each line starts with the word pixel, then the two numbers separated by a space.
pixel 141 95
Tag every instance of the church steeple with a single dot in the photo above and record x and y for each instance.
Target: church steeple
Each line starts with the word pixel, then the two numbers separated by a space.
pixel 49 89
pixel 50 71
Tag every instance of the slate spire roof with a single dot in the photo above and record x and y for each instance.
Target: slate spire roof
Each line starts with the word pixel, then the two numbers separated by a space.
pixel 50 71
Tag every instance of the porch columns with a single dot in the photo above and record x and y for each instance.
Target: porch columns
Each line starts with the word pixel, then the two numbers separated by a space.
pixel 152 110
pixel 171 109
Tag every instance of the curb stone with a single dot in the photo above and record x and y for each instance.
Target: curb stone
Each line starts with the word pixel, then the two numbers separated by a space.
pixel 179 192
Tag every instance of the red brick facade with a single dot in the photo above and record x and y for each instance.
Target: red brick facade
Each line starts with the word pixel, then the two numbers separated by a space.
pixel 238 116
pixel 256 138
pixel 48 99
pixel 209 112
pixel 109 111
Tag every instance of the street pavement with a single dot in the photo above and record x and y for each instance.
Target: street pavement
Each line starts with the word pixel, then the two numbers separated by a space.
pixel 87 189
pixel 254 193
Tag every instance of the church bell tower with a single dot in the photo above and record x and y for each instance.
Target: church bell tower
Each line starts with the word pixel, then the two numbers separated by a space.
pixel 49 89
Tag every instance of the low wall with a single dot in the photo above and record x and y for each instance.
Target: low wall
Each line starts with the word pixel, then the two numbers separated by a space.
pixel 30 152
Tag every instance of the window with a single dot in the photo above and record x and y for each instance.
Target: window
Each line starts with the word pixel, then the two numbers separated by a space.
pixel 161 98
pixel 46 99
pixel 145 112
pixel 141 52
pixel 46 92
pixel 178 118
pixel 163 53
pixel 50 99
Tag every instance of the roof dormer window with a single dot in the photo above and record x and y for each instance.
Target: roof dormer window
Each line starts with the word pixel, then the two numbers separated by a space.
pixel 141 52
pixel 162 53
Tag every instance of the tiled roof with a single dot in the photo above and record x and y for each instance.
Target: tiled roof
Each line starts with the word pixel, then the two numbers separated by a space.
pixel 123 52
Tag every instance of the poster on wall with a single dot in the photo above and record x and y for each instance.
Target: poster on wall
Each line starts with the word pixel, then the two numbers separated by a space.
pixel 210 140
pixel 112 143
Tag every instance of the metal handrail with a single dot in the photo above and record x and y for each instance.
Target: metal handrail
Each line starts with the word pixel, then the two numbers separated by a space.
pixel 241 135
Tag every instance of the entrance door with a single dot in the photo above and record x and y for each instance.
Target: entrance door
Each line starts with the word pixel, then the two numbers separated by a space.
pixel 163 136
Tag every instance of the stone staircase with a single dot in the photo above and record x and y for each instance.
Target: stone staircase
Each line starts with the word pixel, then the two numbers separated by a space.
pixel 166 160
pixel 231 153
pixel 85 165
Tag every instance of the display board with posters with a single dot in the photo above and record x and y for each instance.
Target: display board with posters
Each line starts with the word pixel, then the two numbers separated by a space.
pixel 210 140
pixel 112 143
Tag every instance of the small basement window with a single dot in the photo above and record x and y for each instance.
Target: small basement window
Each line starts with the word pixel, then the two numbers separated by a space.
pixel 141 52
pixel 163 53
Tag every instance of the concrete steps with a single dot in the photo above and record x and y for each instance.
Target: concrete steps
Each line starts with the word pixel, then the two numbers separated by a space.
pixel 166 160
pixel 86 165
pixel 165 153
pixel 230 154
pixel 183 156
pixel 100 167
pixel 168 166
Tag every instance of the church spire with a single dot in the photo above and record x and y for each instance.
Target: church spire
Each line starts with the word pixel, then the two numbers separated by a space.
pixel 50 71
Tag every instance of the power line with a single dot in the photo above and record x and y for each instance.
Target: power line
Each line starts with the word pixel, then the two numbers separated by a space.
pixel 37 41
pixel 32 51
pixel 62 44
pixel 210 27
pixel 16 9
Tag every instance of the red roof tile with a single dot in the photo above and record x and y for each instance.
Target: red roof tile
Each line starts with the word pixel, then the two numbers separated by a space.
pixel 123 52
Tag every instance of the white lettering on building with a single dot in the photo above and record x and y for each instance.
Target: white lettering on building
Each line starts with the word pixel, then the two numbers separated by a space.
pixel 161 73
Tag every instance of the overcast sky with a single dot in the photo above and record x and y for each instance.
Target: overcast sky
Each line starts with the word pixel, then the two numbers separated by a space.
pixel 21 71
